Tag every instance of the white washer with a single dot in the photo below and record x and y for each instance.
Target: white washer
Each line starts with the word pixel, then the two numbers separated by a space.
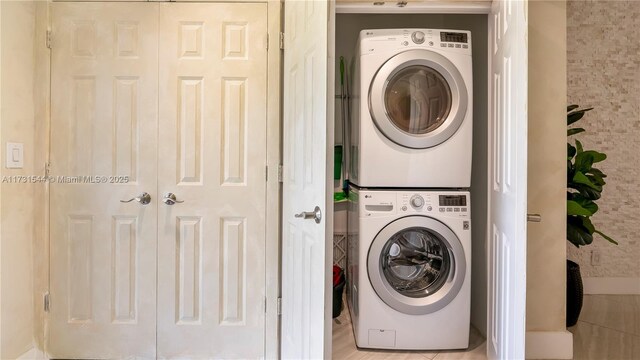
pixel 412 109
pixel 409 269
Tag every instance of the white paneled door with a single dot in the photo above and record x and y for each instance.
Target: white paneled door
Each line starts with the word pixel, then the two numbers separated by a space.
pixel 212 156
pixel 507 180
pixel 104 114
pixel 304 285
pixel 172 96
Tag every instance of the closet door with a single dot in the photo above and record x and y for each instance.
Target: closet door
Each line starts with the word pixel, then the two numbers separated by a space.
pixel 307 208
pixel 104 103
pixel 212 157
pixel 507 243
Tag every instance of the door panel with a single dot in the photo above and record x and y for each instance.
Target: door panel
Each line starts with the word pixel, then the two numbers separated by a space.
pixel 103 123
pixel 507 180
pixel 212 156
pixel 305 127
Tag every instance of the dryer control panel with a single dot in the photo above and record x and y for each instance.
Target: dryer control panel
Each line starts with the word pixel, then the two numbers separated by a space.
pixel 372 41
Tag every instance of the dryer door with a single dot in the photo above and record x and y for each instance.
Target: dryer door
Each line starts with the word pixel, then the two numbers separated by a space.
pixel 418 99
pixel 416 265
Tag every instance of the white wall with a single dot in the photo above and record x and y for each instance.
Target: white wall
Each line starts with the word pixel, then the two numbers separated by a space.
pixel 17 27
pixel 546 257
pixel 604 73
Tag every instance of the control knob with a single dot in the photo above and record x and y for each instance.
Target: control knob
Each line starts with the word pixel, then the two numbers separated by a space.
pixel 417 37
pixel 417 201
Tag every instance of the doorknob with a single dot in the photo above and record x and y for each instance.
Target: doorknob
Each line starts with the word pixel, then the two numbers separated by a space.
pixel 170 199
pixel 316 214
pixel 534 217
pixel 143 199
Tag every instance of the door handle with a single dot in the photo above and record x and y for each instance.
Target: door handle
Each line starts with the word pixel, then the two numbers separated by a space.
pixel 316 214
pixel 534 218
pixel 143 199
pixel 170 199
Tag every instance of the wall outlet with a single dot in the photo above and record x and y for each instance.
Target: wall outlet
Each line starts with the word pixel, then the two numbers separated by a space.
pixel 595 257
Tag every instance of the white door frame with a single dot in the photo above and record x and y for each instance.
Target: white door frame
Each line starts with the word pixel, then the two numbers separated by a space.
pixel 273 190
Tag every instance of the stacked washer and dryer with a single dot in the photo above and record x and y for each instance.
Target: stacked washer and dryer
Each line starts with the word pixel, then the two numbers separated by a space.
pixel 409 164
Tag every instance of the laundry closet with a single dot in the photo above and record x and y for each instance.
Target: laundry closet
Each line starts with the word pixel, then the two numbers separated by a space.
pixel 348 28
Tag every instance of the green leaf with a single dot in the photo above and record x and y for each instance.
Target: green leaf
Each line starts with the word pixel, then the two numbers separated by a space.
pixel 581 178
pixel 597 172
pixel 606 237
pixel 579 146
pixel 573 208
pixel 586 191
pixel 571 151
pixel 586 222
pixel 572 107
pixel 584 202
pixel 574 116
pixel 577 233
pixel 597 156
pixel 574 131
pixel 583 161
pixel 596 179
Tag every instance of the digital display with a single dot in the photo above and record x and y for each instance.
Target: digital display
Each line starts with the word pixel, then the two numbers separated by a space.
pixel 453 37
pixel 453 200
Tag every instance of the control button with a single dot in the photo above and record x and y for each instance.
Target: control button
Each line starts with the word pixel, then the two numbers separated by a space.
pixel 456 209
pixel 430 43
pixel 405 43
pixel 417 37
pixel 441 209
pixel 458 46
pixel 404 208
pixel 449 209
pixel 464 209
pixel 465 46
pixel 429 208
pixel 443 45
pixel 417 201
pixel 450 45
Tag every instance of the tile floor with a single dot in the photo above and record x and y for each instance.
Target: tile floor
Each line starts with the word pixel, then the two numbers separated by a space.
pixel 609 328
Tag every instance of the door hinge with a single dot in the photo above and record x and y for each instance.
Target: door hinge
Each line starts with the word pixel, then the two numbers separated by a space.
pixel 46 302
pixel 281 41
pixel 47 169
pixel 280 173
pixel 48 39
pixel 266 173
pixel 279 306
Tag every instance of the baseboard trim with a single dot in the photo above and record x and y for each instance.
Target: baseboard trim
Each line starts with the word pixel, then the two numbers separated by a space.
pixel 611 285
pixel 549 345
pixel 33 354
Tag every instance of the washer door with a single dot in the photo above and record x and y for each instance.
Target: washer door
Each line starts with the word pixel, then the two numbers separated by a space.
pixel 418 99
pixel 416 265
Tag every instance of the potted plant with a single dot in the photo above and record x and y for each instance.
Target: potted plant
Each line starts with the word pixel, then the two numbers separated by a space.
pixel 584 188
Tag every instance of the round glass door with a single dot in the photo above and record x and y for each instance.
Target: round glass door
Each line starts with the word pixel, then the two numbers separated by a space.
pixel 418 99
pixel 415 262
pixel 416 265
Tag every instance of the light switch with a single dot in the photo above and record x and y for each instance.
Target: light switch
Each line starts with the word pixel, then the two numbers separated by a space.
pixel 15 155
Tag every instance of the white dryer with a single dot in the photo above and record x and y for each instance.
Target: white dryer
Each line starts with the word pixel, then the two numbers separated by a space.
pixel 409 269
pixel 412 109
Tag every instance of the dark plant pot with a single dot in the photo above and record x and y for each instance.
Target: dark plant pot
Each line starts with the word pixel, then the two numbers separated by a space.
pixel 337 298
pixel 574 293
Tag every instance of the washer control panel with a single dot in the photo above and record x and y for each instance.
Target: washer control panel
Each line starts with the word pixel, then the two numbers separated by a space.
pixel 384 203
pixel 443 203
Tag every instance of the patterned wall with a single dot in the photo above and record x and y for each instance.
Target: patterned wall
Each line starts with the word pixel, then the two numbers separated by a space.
pixel 603 45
